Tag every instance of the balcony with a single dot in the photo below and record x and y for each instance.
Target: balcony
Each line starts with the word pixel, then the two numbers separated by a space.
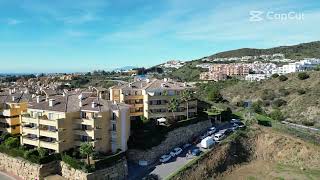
pixel 30 141
pixel 50 145
pixel 49 122
pixel 133 97
pixel 52 134
pixel 84 121
pixel 84 132
pixel 29 130
pixel 28 119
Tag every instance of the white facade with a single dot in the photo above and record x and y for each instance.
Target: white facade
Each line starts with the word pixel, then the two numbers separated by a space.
pixel 256 77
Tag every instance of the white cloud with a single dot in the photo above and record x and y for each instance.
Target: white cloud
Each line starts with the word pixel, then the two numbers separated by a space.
pixel 74 33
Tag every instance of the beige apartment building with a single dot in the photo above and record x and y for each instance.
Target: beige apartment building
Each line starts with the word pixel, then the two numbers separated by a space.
pixel 218 72
pixel 149 98
pixel 12 105
pixel 61 122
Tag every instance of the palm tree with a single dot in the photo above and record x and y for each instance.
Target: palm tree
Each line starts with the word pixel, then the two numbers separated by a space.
pixel 86 149
pixel 173 106
pixel 186 96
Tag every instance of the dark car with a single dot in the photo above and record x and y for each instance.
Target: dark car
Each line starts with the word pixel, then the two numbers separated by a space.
pixel 228 131
pixel 240 124
pixel 196 152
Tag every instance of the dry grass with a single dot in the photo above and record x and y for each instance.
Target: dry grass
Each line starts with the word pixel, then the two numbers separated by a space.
pixel 300 107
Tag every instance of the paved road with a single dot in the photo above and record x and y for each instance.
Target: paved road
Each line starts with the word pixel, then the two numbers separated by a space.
pixel 4 176
pixel 165 169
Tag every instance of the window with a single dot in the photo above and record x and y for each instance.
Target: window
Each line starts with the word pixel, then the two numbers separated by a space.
pixel 114 116
pixel 50 116
pixel 114 127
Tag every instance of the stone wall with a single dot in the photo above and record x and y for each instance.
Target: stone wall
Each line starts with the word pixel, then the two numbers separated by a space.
pixel 118 171
pixel 174 138
pixel 25 169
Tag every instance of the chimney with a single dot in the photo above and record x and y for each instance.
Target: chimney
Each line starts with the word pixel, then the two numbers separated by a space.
pixel 93 104
pixel 100 95
pixel 38 99
pixel 165 79
pixel 80 103
pixel 10 91
pixel 13 98
pixel 51 101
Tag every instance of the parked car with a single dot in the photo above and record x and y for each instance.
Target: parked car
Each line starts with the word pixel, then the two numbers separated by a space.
pixel 229 131
pixel 213 129
pixel 186 146
pixel 235 126
pixel 177 151
pixel 207 142
pixel 196 152
pixel 240 124
pixel 218 136
pixel 165 158
pixel 235 120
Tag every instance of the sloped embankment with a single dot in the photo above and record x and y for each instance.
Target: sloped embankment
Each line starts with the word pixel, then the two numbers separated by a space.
pixel 261 154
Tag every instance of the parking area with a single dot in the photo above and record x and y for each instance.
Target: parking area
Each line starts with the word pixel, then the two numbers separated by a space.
pixel 171 165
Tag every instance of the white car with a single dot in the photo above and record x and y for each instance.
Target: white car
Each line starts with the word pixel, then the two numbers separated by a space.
pixel 176 152
pixel 165 158
pixel 213 129
pixel 218 136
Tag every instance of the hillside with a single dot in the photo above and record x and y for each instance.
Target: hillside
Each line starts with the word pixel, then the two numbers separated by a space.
pixel 262 153
pixel 189 72
pixel 297 52
pixel 297 99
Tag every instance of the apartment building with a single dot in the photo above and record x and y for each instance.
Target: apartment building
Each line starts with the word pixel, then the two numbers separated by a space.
pixel 219 72
pixel 12 104
pixel 149 98
pixel 65 121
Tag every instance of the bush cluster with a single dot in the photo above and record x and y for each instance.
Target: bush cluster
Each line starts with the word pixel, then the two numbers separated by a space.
pixel 303 76
pixel 283 78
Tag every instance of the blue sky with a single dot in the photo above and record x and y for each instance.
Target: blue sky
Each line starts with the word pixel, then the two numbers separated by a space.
pixel 83 35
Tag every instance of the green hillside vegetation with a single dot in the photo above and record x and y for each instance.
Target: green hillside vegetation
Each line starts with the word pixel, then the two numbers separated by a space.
pixel 297 52
pixel 295 99
pixel 189 72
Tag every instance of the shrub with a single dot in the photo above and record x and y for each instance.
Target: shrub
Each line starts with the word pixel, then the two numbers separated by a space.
pixel 301 91
pixel 12 142
pixel 42 152
pixel 308 123
pixel 74 163
pixel 109 160
pixel 266 103
pixel 303 76
pixel 279 103
pixel 277 115
pixel 283 78
pixel 275 75
pixel 265 123
pixel 284 92
pixel 256 107
pixel 5 136
pixel 268 94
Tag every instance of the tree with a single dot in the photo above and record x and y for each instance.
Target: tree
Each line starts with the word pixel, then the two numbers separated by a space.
pixel 256 107
pixel 42 152
pixel 275 75
pixel 283 78
pixel 277 115
pixel 173 106
pixel 12 142
pixel 214 95
pixel 86 149
pixel 186 96
pixel 303 75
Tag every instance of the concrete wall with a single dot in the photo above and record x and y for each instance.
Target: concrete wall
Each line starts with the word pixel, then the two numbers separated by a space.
pixel 26 170
pixel 118 171
pixel 174 138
